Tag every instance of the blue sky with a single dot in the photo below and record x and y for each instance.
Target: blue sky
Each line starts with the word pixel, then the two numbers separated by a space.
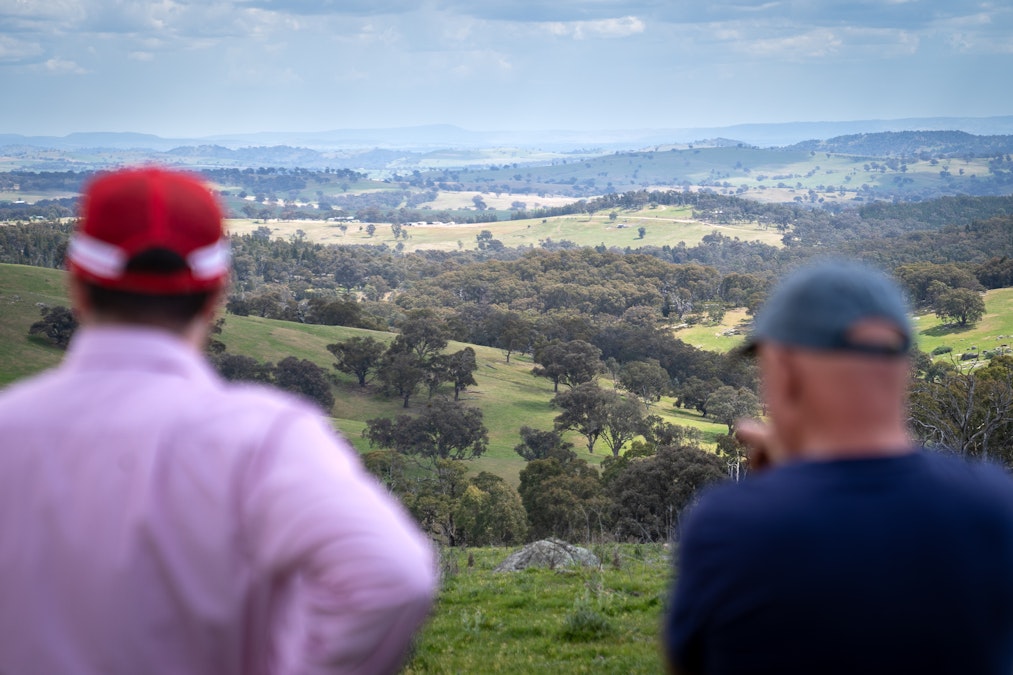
pixel 203 67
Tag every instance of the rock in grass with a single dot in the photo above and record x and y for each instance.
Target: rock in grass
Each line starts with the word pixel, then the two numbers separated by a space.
pixel 549 553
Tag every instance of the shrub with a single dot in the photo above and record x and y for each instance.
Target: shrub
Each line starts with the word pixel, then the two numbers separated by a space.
pixel 586 622
pixel 941 349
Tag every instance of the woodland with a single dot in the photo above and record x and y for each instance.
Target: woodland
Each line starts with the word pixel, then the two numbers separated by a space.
pixel 600 324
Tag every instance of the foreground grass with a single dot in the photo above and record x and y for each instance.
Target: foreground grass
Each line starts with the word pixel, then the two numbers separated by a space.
pixel 568 620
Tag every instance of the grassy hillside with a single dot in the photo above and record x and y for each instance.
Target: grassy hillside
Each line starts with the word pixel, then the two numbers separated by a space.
pixel 995 329
pixel 22 290
pixel 508 394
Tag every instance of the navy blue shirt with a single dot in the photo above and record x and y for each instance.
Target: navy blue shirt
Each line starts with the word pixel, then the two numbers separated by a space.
pixel 892 565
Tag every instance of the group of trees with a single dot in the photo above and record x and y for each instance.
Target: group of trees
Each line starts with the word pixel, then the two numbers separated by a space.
pixel 414 358
pixel 951 291
pixel 968 412
pixel 637 497
pixel 298 376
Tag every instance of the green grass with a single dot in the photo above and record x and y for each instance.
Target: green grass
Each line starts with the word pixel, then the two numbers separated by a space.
pixel 994 330
pixel 507 393
pixel 719 337
pixel 568 620
pixel 22 290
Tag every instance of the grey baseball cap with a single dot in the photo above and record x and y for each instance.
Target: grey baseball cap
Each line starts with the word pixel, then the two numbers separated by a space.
pixel 817 307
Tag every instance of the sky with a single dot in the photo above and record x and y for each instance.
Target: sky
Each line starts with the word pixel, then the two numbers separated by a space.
pixel 191 68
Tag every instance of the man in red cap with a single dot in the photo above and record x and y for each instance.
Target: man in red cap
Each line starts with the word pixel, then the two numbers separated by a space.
pixel 154 519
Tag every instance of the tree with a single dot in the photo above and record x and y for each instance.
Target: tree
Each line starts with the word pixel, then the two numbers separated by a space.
pixel 306 379
pixel 572 363
pixel 623 420
pixel 239 368
pixel 433 499
pixel 337 312
pixel 421 332
pixel 961 305
pixel 918 279
pixel 728 404
pixel 970 414
pixel 585 410
pixel 537 444
pixel 641 232
pixel 490 513
pixel 695 392
pixel 357 356
pixel 658 432
pixel 443 430
pixel 57 326
pixel 371 229
pixel 461 367
pixel 649 494
pixel 563 499
pixel 512 331
pixel 645 379
pixel 400 373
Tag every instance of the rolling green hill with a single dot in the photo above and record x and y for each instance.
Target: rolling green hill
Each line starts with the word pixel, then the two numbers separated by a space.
pixel 508 395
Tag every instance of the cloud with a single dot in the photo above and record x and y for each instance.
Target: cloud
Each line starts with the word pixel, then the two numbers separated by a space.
pixel 14 50
pixel 811 44
pixel 600 28
pixel 63 67
pixel 332 7
pixel 538 11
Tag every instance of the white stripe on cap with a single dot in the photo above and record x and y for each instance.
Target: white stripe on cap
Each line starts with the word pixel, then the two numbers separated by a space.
pixel 211 261
pixel 96 257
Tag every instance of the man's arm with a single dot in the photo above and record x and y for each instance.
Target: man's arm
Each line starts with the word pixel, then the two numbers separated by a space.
pixel 367 572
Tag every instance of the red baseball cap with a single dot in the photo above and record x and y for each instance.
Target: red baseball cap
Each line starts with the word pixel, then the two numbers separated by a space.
pixel 133 211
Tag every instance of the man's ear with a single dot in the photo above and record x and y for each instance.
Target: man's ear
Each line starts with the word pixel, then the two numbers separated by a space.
pixel 792 377
pixel 215 303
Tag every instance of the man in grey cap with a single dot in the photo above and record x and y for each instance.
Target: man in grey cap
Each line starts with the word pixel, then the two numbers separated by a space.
pixel 848 549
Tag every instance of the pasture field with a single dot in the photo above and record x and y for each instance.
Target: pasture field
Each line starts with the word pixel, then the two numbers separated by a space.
pixel 994 331
pixel 729 333
pixel 567 620
pixel 507 393
pixel 663 227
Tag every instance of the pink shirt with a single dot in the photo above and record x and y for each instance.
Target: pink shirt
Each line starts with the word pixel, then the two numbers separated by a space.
pixel 154 519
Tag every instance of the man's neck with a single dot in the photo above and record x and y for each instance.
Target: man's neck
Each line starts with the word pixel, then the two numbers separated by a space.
pixel 859 444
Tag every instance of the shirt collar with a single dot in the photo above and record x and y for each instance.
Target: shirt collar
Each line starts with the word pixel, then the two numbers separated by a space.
pixel 123 347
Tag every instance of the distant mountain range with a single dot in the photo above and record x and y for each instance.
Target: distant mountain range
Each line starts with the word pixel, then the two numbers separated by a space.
pixel 432 137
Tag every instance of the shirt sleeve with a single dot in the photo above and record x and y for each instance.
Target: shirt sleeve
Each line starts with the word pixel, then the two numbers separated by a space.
pixel 367 573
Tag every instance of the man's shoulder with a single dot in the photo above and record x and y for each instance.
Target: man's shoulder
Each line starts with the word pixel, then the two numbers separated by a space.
pixel 252 404
pixel 975 480
pixel 791 489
